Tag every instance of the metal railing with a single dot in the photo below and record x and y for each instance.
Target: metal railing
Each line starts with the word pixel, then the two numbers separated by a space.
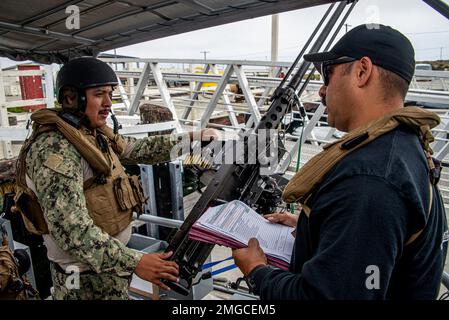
pixel 202 92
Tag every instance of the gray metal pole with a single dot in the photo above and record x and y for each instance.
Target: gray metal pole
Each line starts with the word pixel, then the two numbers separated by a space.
pixel 274 41
pixel 160 221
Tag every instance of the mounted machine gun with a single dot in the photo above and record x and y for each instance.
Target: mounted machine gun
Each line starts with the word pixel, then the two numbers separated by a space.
pixel 245 181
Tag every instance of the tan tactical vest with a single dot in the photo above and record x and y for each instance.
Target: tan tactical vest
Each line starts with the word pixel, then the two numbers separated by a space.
pixel 302 186
pixel 111 195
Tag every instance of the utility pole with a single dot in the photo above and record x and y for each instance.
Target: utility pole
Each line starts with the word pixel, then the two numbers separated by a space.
pixel 441 53
pixel 347 26
pixel 274 41
pixel 205 53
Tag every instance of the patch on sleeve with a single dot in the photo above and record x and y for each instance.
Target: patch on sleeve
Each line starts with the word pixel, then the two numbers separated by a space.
pixel 56 163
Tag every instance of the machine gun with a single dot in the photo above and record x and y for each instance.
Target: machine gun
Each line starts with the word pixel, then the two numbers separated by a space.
pixel 244 181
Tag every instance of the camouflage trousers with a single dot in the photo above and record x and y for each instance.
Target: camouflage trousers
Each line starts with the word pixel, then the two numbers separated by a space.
pixel 102 286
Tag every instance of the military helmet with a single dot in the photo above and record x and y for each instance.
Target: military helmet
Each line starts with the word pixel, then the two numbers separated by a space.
pixel 83 73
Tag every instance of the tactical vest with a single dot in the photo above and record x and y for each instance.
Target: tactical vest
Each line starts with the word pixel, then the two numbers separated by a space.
pixel 302 186
pixel 111 195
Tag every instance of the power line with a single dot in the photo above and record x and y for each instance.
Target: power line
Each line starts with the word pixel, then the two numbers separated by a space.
pixel 260 53
pixel 428 32
pixel 435 48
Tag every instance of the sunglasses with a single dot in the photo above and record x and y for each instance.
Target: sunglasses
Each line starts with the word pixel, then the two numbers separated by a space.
pixel 326 64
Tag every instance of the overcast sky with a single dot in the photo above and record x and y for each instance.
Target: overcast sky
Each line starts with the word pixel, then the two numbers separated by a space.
pixel 251 39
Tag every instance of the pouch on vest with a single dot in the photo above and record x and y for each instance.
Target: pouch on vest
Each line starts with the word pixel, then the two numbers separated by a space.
pixel 25 200
pixel 138 194
pixel 31 211
pixel 124 193
pixel 105 209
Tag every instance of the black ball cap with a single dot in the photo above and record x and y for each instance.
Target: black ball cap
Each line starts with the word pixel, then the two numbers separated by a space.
pixel 385 46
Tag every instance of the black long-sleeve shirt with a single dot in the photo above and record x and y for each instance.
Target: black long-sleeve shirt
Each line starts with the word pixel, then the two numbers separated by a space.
pixel 352 245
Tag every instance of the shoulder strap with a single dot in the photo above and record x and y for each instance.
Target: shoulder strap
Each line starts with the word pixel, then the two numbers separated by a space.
pixel 21 160
pixel 434 166
pixel 417 234
pixel 304 182
pixel 89 151
pixel 117 142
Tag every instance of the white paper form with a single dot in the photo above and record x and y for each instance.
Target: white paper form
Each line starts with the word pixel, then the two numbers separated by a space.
pixel 238 221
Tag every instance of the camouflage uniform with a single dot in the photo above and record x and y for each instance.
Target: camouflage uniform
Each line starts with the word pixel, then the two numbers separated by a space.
pixel 60 193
